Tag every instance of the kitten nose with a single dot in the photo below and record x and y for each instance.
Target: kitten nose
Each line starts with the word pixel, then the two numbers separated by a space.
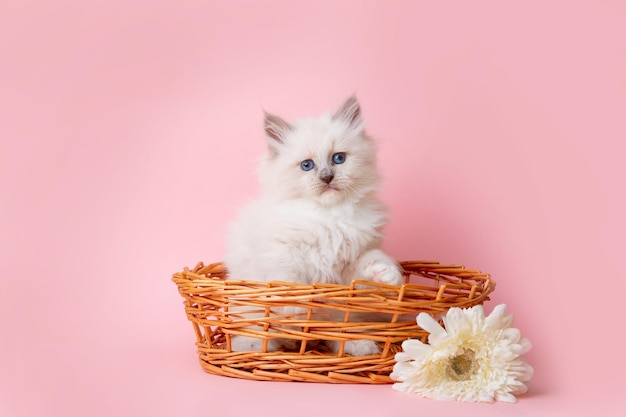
pixel 327 178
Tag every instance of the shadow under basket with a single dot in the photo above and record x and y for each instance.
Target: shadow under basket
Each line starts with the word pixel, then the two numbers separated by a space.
pixel 220 308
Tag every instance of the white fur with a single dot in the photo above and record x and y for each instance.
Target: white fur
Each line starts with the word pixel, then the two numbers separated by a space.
pixel 304 230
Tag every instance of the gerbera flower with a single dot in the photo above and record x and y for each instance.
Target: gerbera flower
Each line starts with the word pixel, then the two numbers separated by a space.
pixel 475 358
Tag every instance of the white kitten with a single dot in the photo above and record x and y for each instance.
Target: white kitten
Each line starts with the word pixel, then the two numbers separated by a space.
pixel 318 219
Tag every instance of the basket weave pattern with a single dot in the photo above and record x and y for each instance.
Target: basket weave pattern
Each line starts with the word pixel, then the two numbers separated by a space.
pixel 220 308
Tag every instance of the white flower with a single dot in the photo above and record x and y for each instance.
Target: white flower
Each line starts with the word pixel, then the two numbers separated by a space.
pixel 475 358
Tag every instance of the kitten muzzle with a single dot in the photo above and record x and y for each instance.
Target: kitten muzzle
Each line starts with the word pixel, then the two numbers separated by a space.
pixel 326 175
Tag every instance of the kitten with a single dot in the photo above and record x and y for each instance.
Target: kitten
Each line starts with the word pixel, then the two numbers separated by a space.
pixel 318 218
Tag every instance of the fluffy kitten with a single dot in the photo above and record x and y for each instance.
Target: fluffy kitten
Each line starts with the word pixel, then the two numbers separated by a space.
pixel 318 219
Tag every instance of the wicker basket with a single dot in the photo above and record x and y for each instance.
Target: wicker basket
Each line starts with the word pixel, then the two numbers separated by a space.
pixel 220 308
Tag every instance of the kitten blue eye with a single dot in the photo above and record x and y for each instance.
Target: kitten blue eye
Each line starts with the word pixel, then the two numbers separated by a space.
pixel 307 165
pixel 339 158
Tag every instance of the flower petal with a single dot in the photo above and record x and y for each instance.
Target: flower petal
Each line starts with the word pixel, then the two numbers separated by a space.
pixel 428 323
pixel 400 386
pixel 496 317
pixel 526 345
pixel 459 321
pixel 415 349
pixel 402 371
pixel 506 397
pixel 512 335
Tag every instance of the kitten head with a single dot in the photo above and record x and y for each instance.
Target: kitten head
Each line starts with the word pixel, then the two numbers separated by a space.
pixel 328 159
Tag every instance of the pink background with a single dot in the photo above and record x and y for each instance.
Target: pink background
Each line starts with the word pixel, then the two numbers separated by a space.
pixel 129 136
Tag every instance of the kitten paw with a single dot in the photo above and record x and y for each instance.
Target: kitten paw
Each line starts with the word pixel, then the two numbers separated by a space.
pixel 384 273
pixel 245 344
pixel 356 347
pixel 362 348
pixel 250 344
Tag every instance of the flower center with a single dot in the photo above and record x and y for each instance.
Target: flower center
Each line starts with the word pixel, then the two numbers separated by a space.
pixel 462 367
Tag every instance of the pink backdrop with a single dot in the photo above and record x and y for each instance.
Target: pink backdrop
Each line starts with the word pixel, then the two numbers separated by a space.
pixel 129 136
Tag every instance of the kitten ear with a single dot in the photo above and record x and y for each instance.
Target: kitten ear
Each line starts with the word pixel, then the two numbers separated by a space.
pixel 350 111
pixel 276 128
